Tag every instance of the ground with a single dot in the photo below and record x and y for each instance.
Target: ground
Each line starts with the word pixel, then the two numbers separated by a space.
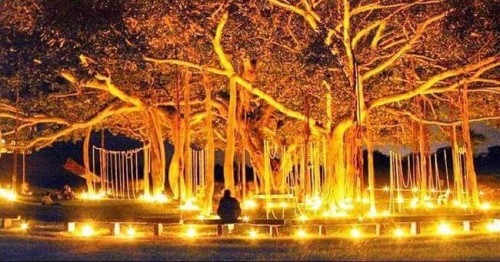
pixel 466 247
pixel 47 240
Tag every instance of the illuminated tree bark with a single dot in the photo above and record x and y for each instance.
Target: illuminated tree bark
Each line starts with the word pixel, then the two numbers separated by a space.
pixel 457 169
pixel 188 176
pixel 210 164
pixel 157 152
pixel 231 138
pixel 86 161
pixel 469 162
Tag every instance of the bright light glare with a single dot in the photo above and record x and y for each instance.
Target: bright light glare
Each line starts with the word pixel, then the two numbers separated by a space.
pixel 189 205
pixel 444 229
pixel 24 226
pixel 485 206
pixel 8 194
pixel 385 188
pixel 191 232
pixel 131 232
pixel 246 219
pixel 399 232
pixel 252 234
pixel 249 204
pixel 301 233
pixel 355 233
pixel 87 231
pixel 158 198
pixel 493 226
pixel 303 218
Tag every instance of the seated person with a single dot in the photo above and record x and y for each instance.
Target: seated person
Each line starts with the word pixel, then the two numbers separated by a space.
pixel 47 200
pixel 67 193
pixel 229 207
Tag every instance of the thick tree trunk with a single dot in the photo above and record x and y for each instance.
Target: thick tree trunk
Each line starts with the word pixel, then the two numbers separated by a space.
pixel 210 164
pixel 469 158
pixel 371 169
pixel 188 174
pixel 86 161
pixel 457 169
pixel 231 138
pixel 157 152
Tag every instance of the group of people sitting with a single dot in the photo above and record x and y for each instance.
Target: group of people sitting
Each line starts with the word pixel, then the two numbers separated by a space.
pixel 65 193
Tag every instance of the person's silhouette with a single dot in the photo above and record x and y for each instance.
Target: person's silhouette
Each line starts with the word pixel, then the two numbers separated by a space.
pixel 229 207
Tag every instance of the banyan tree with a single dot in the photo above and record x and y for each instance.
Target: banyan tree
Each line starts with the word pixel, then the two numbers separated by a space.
pixel 311 81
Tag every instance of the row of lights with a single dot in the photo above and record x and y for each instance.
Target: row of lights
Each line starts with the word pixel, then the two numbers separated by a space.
pixel 443 229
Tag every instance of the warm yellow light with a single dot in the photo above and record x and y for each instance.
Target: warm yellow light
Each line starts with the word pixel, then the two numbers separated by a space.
pixel 429 205
pixel 249 204
pixel 191 232
pixel 399 232
pixel 252 234
pixel 365 200
pixel 494 226
pixel 301 233
pixel 246 219
pixel 385 188
pixel 87 231
pixel 481 193
pixel 355 233
pixel 92 196
pixel 303 218
pixel 283 205
pixel 400 200
pixel 456 203
pixel 8 194
pixel 189 205
pixel 433 190
pixel 485 206
pixel 201 217
pixel 131 232
pixel 314 203
pixel 464 206
pixel 386 213
pixel 158 198
pixel 414 189
pixel 444 229
pixel 270 205
pixel 24 226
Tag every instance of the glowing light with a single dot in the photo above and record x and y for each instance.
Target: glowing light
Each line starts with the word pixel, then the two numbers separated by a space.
pixel 365 200
pixel 201 217
pixel 87 231
pixel 444 229
pixel 283 205
pixel 464 206
pixel 485 206
pixel 191 232
pixel 8 194
pixel 249 204
pixel 414 202
pixel 301 233
pixel 131 232
pixel 158 198
pixel 433 190
pixel 356 233
pixel 481 193
pixel 270 205
pixel 189 205
pixel 314 203
pixel 92 196
pixel 24 226
pixel 385 188
pixel 303 218
pixel 253 234
pixel 386 213
pixel 400 200
pixel 399 232
pixel 456 203
pixel 494 226
pixel 429 205
pixel 414 189
pixel 246 219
